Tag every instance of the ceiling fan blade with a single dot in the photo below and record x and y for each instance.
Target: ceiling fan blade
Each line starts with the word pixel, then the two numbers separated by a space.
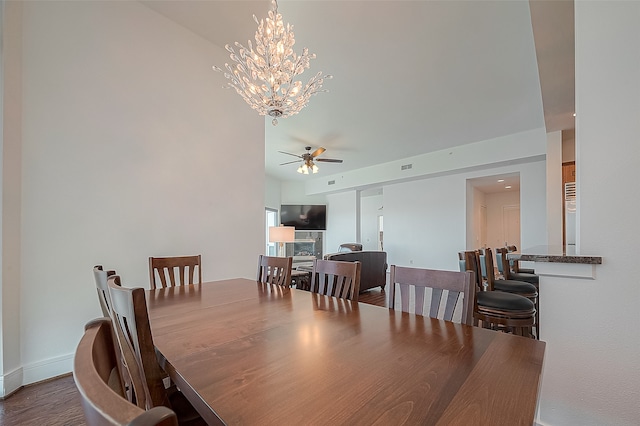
pixel 290 162
pixel 288 153
pixel 317 152
pixel 329 160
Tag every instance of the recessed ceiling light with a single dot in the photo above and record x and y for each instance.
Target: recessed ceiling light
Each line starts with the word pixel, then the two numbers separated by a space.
pixel 574 114
pixel 507 187
pixel 500 180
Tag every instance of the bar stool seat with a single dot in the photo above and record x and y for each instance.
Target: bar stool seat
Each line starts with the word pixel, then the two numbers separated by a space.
pixel 512 286
pixel 523 276
pixel 504 301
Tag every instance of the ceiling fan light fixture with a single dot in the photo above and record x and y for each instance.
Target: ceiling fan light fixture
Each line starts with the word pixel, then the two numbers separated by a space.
pixel 308 160
pixel 264 77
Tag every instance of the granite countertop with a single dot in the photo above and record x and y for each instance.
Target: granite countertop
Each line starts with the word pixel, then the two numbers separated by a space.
pixel 555 255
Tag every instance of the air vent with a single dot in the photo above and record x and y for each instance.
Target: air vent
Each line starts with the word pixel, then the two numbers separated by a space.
pixel 569 191
pixel 406 166
pixel 331 182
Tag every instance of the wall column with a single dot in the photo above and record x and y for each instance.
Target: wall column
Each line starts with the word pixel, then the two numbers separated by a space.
pixel 10 202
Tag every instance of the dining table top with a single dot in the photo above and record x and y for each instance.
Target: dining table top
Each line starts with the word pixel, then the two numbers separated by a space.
pixel 245 352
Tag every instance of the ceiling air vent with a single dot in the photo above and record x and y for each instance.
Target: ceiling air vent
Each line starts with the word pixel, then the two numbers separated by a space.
pixel 406 166
pixel 331 182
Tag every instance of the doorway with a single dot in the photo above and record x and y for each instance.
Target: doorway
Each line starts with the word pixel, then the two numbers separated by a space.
pixel 494 211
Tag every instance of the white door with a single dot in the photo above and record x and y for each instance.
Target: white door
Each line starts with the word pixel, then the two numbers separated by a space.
pixel 511 225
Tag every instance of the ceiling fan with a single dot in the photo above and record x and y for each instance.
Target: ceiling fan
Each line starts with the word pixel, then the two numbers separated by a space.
pixel 308 159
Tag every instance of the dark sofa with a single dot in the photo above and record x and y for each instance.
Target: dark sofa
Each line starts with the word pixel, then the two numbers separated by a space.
pixel 374 266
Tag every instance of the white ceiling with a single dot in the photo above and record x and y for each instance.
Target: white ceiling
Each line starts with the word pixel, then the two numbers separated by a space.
pixel 410 77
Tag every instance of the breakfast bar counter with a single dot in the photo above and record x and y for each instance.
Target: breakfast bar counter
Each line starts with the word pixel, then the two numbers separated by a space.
pixel 559 261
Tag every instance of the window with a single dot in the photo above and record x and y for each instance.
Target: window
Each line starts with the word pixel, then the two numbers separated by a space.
pixel 271 219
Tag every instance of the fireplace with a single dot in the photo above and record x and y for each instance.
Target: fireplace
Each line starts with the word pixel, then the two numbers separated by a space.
pixel 306 247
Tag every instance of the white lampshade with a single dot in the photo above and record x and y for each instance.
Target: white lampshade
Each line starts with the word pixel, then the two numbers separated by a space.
pixel 282 234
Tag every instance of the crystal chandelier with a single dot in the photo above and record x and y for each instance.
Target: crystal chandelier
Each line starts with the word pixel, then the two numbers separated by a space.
pixel 264 77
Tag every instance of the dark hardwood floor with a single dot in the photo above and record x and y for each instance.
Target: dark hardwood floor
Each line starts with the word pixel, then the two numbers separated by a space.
pixel 56 402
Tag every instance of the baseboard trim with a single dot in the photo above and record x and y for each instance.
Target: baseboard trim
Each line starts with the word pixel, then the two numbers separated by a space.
pixel 47 369
pixel 36 372
pixel 11 382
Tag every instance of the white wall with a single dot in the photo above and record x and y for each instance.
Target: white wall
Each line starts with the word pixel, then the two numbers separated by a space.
pixel 294 192
pixel 369 213
pixel 554 189
pixel 273 192
pixel 130 149
pixel 425 221
pixel 343 219
pixel 10 185
pixel 592 360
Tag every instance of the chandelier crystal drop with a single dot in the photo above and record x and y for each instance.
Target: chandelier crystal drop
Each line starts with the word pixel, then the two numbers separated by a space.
pixel 264 75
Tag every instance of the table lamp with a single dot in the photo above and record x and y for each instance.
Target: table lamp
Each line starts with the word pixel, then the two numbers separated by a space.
pixel 282 234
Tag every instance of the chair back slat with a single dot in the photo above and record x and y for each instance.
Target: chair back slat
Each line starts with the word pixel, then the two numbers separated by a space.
pixel 275 270
pixel 450 306
pixel 420 295
pixel 436 298
pixel 336 278
pixel 96 376
pixel 100 276
pixel 455 283
pixel 164 268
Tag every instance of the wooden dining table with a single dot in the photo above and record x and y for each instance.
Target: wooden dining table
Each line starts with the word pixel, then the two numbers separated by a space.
pixel 249 353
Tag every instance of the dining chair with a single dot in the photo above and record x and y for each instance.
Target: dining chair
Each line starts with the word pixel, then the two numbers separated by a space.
pixel 498 310
pixel 275 270
pixel 96 375
pixel 415 281
pixel 135 342
pixel 336 278
pixel 101 276
pixel 521 288
pixel 165 269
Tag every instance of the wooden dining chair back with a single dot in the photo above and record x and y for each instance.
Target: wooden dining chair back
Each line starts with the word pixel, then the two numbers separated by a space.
pixel 163 269
pixel 135 342
pixel 133 333
pixel 413 282
pixel 275 270
pixel 100 276
pixel 98 381
pixel 336 278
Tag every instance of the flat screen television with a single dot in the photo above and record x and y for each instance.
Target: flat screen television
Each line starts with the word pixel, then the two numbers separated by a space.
pixel 304 217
